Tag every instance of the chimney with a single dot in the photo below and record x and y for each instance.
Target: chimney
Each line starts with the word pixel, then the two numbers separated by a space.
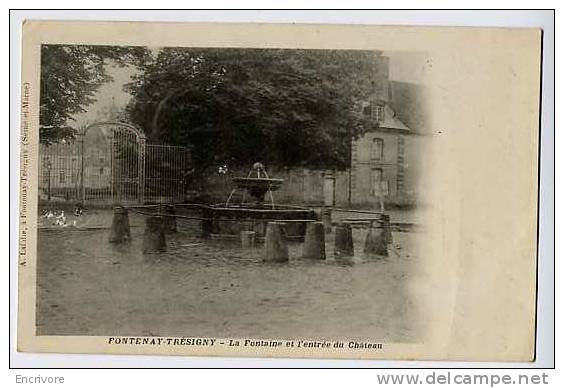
pixel 382 77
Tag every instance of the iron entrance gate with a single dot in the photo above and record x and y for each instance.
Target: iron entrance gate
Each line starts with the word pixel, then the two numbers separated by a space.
pixel 165 173
pixel 110 162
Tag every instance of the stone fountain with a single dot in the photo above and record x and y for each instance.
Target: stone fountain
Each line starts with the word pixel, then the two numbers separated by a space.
pixel 257 184
pixel 230 218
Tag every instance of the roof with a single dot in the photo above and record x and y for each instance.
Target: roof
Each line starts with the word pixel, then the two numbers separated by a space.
pixel 391 120
pixel 408 101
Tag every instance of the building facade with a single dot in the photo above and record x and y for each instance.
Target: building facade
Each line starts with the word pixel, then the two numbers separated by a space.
pixel 62 167
pixel 386 164
pixel 378 162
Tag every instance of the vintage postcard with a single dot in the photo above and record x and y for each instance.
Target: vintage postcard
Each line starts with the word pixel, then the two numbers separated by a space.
pixel 279 190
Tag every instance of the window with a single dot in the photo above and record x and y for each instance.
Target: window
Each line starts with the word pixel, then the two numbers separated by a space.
pixel 376 180
pixel 374 110
pixel 62 176
pixel 377 112
pixel 377 150
pixel 378 184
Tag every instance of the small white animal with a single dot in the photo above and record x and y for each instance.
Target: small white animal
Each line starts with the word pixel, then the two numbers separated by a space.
pixel 61 219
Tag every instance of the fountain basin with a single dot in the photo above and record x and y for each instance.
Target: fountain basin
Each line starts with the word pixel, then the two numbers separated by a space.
pixel 230 221
pixel 258 183
pixel 258 187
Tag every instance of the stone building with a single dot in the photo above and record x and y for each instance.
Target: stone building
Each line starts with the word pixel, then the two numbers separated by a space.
pixel 61 165
pixel 385 162
pixel 378 159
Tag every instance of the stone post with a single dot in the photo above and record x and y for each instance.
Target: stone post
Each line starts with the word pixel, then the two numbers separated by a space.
pixel 207 223
pixel 386 227
pixel 154 237
pixel 343 241
pixel 275 246
pixel 120 232
pixel 326 218
pixel 314 244
pixel 376 242
pixel 169 220
pixel 247 239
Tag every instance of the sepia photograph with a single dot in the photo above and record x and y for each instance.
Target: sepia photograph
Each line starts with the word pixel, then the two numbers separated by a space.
pixel 239 193
pixel 279 190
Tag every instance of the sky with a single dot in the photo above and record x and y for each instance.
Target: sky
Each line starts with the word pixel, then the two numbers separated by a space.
pixel 104 95
pixel 408 66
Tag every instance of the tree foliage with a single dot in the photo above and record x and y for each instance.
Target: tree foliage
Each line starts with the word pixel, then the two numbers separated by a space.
pixel 70 77
pixel 236 106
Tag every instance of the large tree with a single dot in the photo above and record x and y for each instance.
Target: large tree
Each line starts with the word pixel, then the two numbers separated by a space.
pixel 70 77
pixel 281 107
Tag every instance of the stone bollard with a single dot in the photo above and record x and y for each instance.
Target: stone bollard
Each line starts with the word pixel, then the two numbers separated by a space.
pixel 318 214
pixel 207 223
pixel 314 243
pixel 169 221
pixel 247 239
pixel 376 242
pixel 343 241
pixel 154 237
pixel 120 232
pixel 386 227
pixel 326 218
pixel 275 247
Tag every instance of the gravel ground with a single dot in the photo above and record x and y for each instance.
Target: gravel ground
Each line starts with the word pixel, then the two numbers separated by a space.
pixel 87 286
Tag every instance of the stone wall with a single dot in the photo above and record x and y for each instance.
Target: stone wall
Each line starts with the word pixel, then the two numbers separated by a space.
pixel 401 165
pixel 301 186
